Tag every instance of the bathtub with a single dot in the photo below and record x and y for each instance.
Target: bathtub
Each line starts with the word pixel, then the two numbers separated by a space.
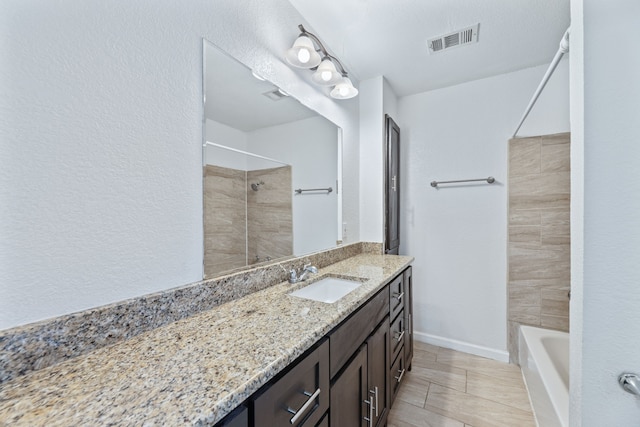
pixel 544 360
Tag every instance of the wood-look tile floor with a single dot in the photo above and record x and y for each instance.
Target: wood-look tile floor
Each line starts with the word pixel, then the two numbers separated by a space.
pixel 447 388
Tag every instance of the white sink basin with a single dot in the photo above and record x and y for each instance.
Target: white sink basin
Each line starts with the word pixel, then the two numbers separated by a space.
pixel 329 289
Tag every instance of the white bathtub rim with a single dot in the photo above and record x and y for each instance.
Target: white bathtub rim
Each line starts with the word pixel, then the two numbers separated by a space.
pixel 544 367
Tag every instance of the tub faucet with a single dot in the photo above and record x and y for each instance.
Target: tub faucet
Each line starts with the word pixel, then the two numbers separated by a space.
pixel 293 275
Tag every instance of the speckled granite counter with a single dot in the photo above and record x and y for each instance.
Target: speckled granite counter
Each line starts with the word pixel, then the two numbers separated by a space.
pixel 195 370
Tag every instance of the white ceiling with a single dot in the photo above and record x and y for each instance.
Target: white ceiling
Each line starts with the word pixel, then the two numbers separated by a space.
pixel 235 98
pixel 388 37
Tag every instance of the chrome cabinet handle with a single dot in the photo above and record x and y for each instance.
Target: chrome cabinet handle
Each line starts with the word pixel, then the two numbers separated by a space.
pixel 398 296
pixel 370 419
pixel 297 414
pixel 394 183
pixel 376 392
pixel 399 337
pixel 399 377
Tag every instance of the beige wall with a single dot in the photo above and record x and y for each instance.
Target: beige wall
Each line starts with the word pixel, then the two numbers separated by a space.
pixel 539 235
pixel 241 224
pixel 225 220
pixel 269 214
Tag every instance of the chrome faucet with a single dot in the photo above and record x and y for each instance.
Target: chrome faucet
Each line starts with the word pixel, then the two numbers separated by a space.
pixel 293 275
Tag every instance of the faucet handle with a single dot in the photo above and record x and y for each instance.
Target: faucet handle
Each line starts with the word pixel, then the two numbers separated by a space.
pixel 293 276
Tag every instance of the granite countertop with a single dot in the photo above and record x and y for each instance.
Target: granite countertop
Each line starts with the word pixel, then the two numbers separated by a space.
pixel 195 370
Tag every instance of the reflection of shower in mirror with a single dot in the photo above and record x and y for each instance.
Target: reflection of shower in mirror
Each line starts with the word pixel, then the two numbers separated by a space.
pixel 256 186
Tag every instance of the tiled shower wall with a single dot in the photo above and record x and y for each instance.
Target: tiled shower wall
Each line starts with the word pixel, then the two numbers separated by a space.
pixel 225 219
pixel 243 226
pixel 269 214
pixel 539 234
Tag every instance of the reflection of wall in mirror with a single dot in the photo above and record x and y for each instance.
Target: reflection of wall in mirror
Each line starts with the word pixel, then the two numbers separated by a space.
pixel 243 226
pixel 310 146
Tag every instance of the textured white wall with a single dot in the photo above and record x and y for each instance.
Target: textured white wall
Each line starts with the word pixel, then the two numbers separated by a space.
pixel 606 94
pixel 371 160
pixel 310 146
pixel 458 234
pixel 101 133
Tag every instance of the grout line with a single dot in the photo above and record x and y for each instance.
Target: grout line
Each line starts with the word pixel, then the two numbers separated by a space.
pixel 424 405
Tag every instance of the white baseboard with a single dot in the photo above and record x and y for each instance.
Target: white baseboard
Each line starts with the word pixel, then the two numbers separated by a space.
pixel 478 350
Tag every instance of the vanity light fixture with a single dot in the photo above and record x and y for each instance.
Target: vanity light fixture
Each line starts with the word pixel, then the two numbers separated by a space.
pixel 328 71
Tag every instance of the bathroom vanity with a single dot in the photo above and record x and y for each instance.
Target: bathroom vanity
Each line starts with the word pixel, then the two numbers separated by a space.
pixel 246 362
pixel 350 376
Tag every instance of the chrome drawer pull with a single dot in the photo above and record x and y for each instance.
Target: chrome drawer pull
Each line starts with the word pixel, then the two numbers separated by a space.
pixel 370 419
pixel 375 391
pixel 297 414
pixel 398 296
pixel 399 378
pixel 399 337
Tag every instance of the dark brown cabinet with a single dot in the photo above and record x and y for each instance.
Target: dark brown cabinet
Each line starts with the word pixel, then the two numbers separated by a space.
pixel 392 188
pixel 408 316
pixel 350 377
pixel 360 393
pixel 349 395
pixel 378 366
pixel 300 397
pixel 401 335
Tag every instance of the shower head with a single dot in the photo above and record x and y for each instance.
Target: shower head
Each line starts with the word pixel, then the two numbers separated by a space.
pixel 256 186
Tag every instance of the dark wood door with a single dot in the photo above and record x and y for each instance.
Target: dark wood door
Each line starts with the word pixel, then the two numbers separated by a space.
pixel 392 187
pixel 349 393
pixel 378 361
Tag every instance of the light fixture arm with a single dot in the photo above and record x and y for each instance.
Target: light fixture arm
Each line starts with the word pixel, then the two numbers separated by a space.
pixel 322 49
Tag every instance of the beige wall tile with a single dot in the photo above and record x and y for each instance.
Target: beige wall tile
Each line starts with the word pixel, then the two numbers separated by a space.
pixel 542 184
pixel 539 265
pixel 524 217
pixel 555 158
pixel 528 234
pixel 224 219
pixel 556 138
pixel 555 322
pixel 539 201
pixel 524 156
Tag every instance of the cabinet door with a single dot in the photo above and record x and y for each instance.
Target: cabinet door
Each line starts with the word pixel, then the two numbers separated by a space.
pixel 408 315
pixel 392 188
pixel 349 394
pixel 300 397
pixel 396 375
pixel 378 361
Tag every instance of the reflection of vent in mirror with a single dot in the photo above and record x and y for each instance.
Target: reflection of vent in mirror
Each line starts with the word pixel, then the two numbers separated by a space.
pixel 275 95
pixel 243 223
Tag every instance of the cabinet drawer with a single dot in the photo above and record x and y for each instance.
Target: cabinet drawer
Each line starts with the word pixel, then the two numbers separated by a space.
pixel 300 397
pixel 350 335
pixel 396 374
pixel 397 334
pixel 396 296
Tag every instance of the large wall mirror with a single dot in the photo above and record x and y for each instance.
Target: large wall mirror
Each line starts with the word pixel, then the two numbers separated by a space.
pixel 272 171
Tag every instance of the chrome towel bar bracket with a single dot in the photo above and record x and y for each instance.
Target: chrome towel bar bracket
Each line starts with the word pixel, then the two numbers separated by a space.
pixel 489 180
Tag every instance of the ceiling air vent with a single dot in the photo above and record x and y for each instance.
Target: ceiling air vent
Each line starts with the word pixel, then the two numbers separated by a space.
pixel 459 38
pixel 276 95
